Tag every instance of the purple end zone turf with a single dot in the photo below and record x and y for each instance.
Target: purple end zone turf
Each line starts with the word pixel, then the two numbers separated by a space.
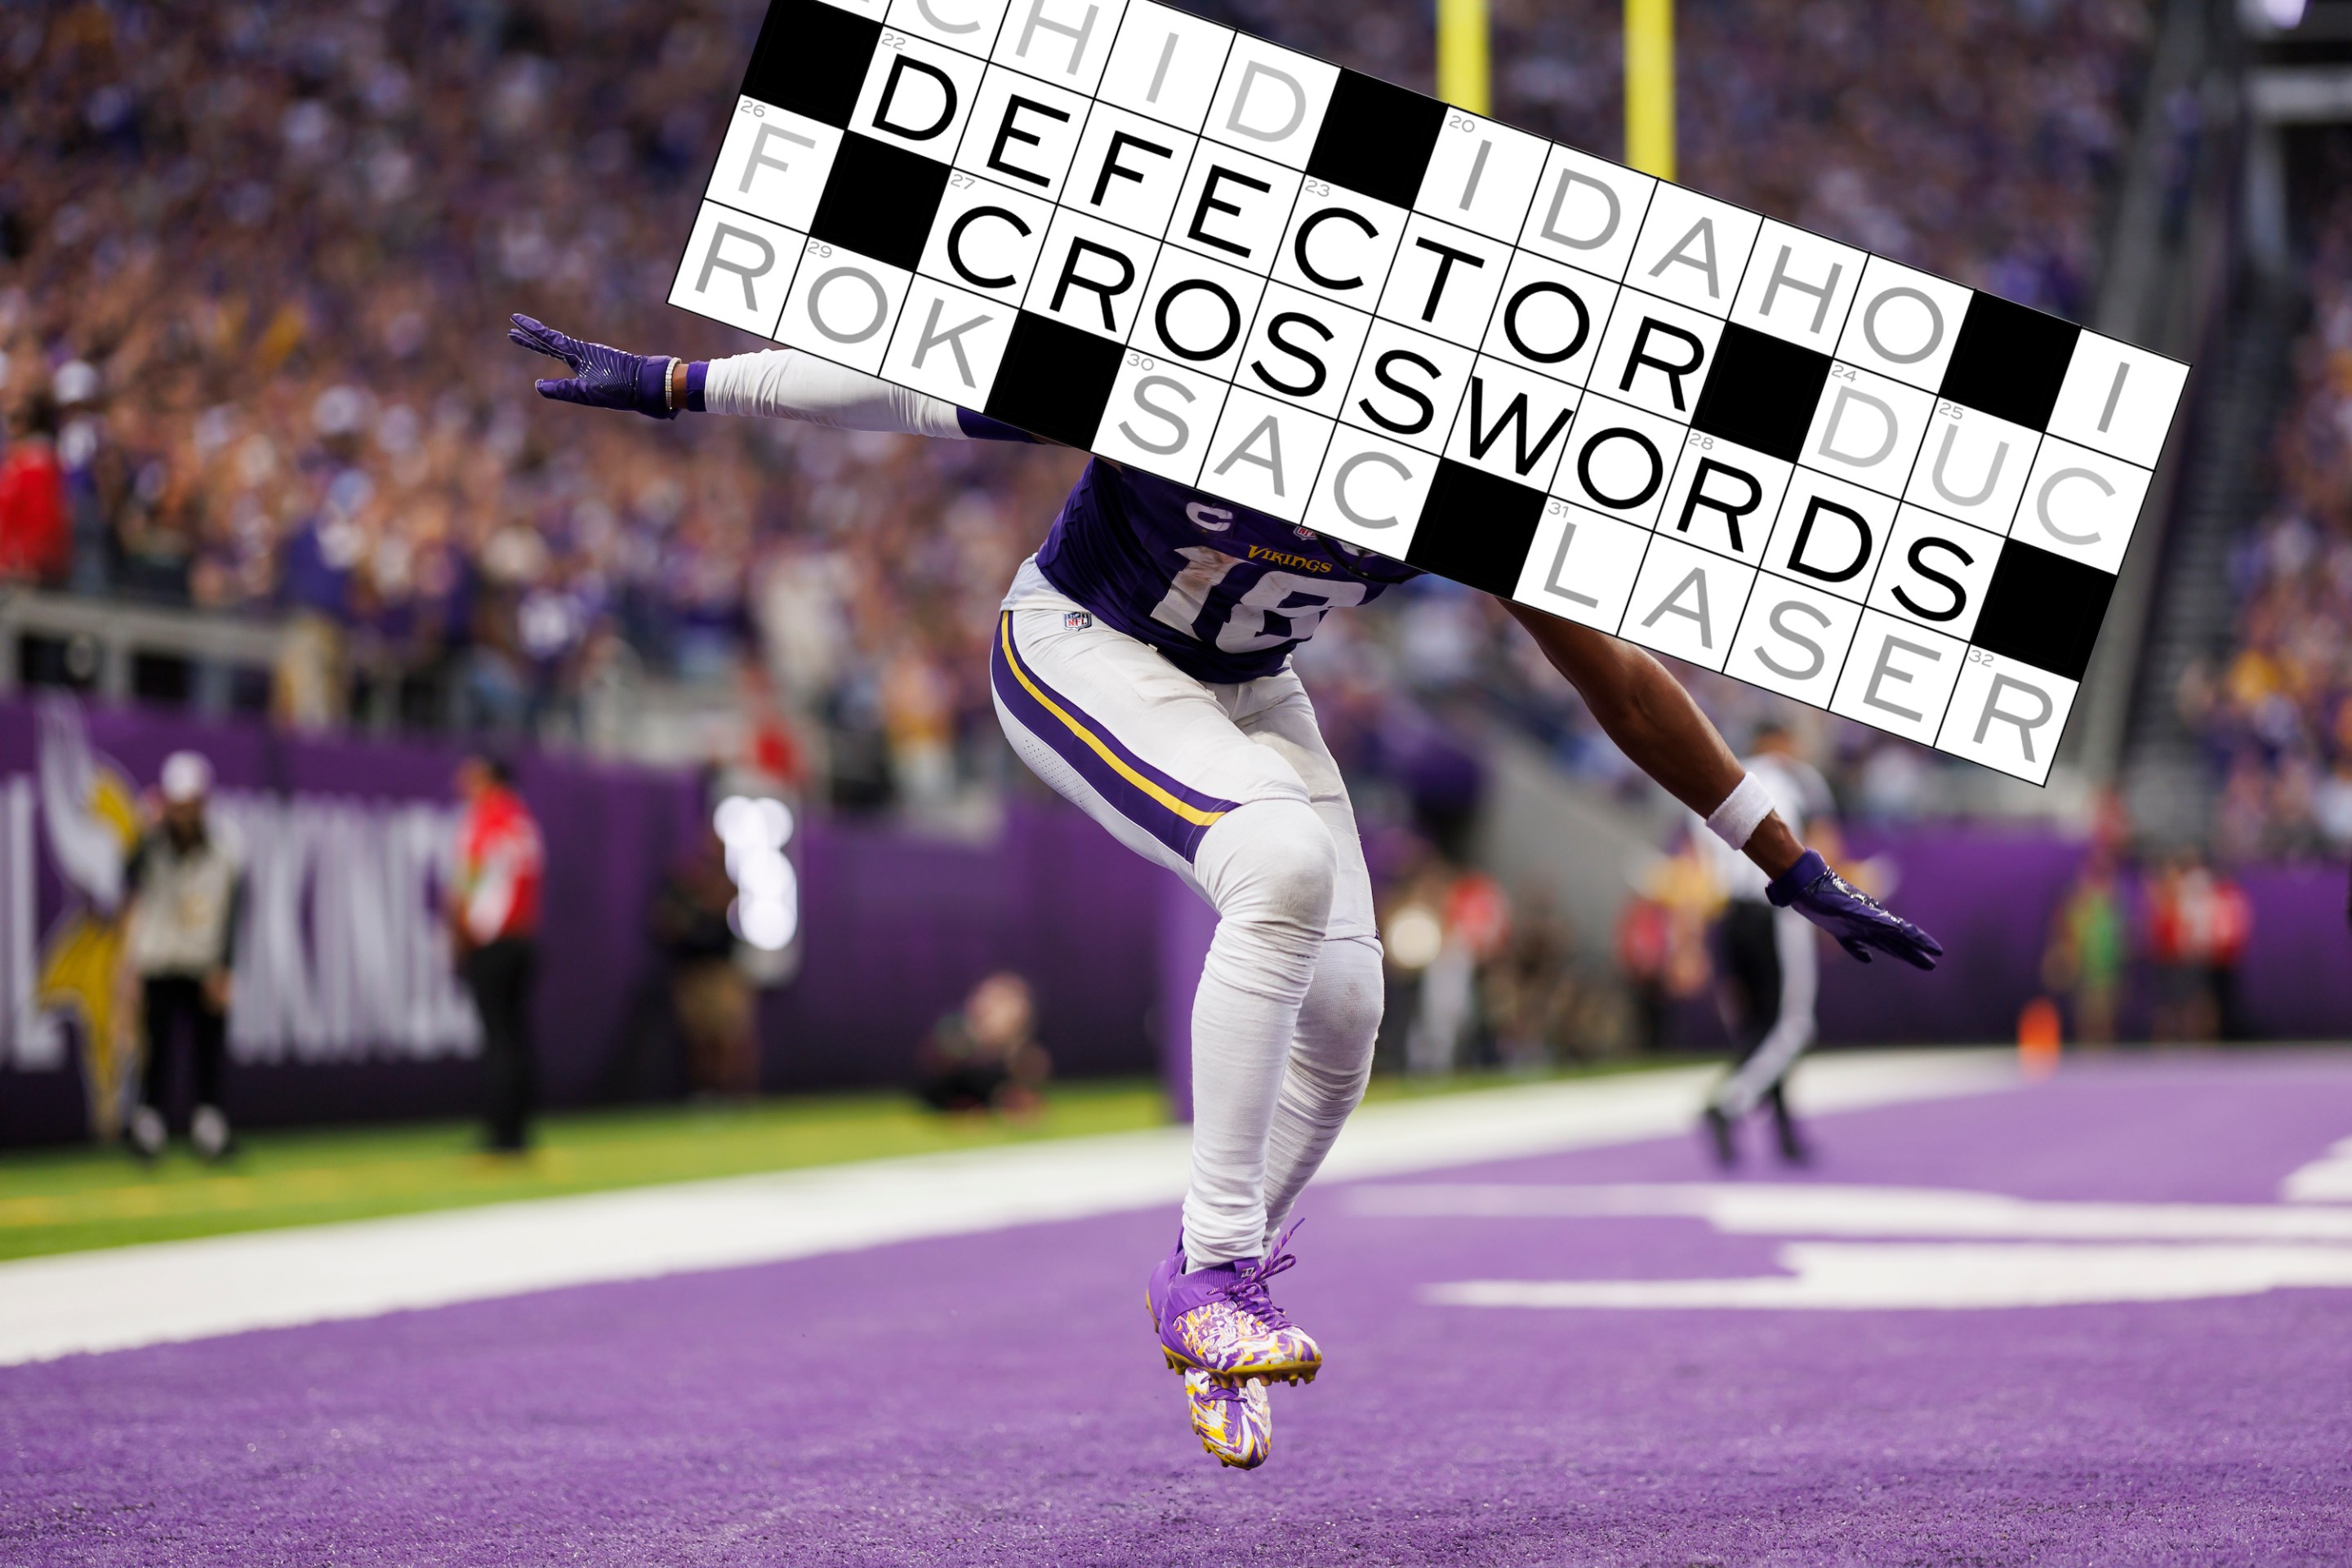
pixel 998 1400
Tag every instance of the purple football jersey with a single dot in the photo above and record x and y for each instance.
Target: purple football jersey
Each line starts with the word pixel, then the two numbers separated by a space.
pixel 1223 593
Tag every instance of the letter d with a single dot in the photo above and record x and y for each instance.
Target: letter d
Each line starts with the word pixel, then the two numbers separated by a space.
pixel 1251 74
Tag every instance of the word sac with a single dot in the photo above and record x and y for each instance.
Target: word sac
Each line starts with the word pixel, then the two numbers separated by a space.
pixel 1307 291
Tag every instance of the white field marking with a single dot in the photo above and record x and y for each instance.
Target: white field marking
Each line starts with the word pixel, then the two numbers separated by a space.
pixel 1917 1213
pixel 126 1297
pixel 1854 1277
pixel 2327 1180
pixel 1541 1119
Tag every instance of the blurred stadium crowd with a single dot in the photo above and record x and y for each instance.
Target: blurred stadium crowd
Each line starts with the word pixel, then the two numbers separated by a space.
pixel 254 260
pixel 2276 710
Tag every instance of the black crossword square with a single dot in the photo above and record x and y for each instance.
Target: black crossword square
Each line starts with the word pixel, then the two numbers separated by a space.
pixel 1376 139
pixel 1762 392
pixel 1475 529
pixel 2043 610
pixel 2010 360
pixel 1055 380
pixel 811 58
pixel 879 201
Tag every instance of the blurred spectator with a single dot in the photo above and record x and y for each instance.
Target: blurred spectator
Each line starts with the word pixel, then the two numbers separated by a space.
pixel 1474 924
pixel 95 476
pixel 374 184
pixel 187 892
pixel 2275 709
pixel 986 1055
pixel 1662 937
pixel 711 993
pixel 772 753
pixel 2084 959
pixel 1645 941
pixel 2232 927
pixel 1412 932
pixel 34 544
pixel 919 721
pixel 2198 923
pixel 494 927
pixel 1531 991
pixel 309 685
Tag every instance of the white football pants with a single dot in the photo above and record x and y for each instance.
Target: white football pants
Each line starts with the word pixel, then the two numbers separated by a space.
pixel 1232 788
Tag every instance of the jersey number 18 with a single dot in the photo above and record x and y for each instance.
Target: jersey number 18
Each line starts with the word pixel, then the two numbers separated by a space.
pixel 1277 599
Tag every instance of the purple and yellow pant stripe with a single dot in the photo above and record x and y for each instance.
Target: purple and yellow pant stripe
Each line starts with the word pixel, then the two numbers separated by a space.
pixel 1177 815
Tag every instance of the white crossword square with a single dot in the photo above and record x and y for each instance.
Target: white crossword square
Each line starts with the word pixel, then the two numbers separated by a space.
pixel 737 269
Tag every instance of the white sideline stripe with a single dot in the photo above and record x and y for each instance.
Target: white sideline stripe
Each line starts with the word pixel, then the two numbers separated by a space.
pixel 122 1297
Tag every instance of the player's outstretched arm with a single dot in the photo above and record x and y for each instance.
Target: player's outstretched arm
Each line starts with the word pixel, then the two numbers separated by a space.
pixel 1655 723
pixel 778 384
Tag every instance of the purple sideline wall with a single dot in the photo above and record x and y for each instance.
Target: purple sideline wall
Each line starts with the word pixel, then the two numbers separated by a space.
pixel 898 929
pixel 610 831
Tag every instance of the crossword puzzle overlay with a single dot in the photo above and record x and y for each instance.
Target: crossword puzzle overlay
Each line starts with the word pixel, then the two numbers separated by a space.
pixel 1423 333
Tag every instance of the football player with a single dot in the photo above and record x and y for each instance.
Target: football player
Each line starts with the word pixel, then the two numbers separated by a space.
pixel 1141 667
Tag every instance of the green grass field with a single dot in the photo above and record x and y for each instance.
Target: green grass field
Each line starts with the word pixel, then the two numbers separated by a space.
pixel 68 1200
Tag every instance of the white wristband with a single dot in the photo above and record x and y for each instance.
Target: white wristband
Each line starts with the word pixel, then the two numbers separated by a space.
pixel 1743 811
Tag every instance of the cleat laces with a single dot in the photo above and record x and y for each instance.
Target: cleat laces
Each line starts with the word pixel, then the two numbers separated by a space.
pixel 1248 1290
pixel 1220 1393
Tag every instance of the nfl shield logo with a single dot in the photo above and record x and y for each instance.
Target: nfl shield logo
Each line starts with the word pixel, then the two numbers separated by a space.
pixel 1076 621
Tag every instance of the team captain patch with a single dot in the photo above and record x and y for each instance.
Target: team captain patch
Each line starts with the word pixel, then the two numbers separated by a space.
pixel 1427 334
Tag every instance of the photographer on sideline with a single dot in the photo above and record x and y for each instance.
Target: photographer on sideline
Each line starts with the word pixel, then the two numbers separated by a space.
pixel 494 931
pixel 187 892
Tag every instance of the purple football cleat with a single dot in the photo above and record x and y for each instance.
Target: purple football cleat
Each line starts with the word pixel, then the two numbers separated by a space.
pixel 1221 1319
pixel 1234 1422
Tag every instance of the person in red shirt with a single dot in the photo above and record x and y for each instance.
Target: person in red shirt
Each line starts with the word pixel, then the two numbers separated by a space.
pixel 2198 923
pixel 35 543
pixel 494 931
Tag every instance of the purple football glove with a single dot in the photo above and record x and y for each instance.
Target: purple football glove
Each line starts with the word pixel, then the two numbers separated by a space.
pixel 1858 920
pixel 601 377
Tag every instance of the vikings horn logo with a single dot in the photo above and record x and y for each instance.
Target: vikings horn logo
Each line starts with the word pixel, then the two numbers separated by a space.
pixel 90 812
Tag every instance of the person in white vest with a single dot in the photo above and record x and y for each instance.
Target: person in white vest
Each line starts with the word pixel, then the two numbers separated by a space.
pixel 186 887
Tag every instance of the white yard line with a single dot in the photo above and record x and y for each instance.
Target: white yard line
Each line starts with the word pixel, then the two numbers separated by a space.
pixel 126 1297
pixel 1927 1249
pixel 1829 1209
pixel 1846 1276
